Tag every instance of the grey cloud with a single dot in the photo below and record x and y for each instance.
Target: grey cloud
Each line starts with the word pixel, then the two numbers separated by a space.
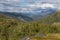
pixel 16 5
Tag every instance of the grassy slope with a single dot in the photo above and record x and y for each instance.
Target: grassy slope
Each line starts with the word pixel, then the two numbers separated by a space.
pixel 13 29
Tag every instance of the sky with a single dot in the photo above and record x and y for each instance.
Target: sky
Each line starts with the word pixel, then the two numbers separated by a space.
pixel 27 5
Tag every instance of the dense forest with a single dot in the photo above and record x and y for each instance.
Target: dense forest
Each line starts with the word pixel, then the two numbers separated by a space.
pixel 13 29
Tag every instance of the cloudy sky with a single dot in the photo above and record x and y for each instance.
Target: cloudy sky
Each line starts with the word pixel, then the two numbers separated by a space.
pixel 27 5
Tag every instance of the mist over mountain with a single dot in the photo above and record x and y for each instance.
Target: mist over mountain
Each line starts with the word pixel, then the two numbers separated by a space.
pixel 31 16
pixel 28 10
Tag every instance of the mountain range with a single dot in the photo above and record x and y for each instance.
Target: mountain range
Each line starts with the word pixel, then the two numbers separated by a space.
pixel 31 12
pixel 31 16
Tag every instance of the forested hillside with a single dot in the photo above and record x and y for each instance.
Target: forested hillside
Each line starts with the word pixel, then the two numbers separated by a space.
pixel 14 29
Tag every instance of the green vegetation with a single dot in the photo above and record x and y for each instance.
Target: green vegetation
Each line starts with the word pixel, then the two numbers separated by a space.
pixel 13 29
pixel 47 37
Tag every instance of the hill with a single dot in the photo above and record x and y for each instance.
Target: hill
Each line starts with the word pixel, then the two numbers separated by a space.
pixel 14 29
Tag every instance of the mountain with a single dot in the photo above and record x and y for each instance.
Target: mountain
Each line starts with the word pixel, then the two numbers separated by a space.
pixel 27 12
pixel 30 16
pixel 14 29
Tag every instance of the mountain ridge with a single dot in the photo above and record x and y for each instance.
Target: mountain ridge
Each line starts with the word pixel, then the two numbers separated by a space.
pixel 31 16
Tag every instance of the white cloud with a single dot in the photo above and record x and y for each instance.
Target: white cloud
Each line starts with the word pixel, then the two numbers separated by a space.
pixel 29 7
pixel 48 5
pixel 45 5
pixel 11 5
pixel 34 5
